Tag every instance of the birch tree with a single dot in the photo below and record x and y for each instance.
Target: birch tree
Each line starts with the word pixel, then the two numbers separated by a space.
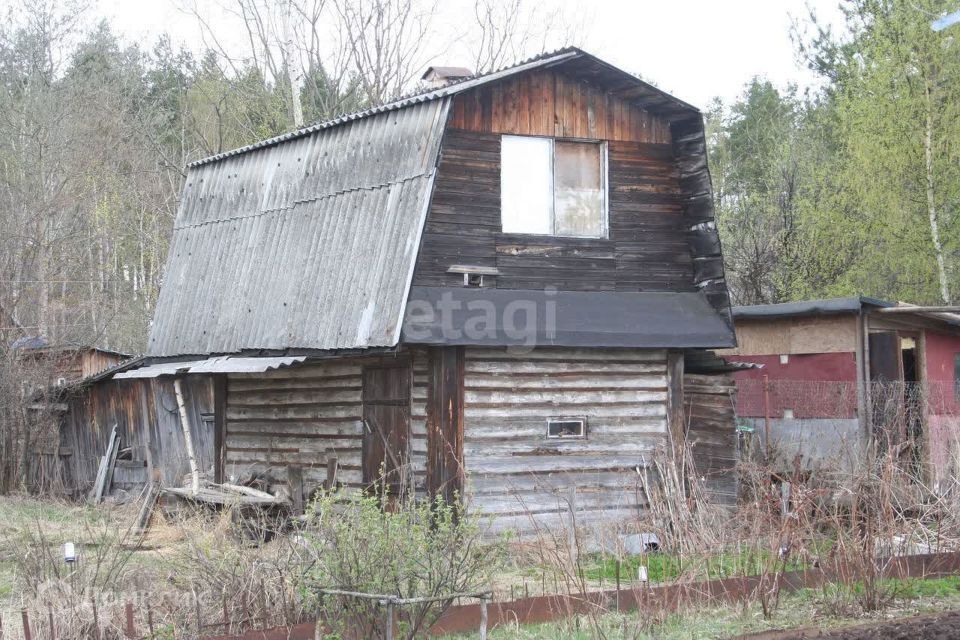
pixel 895 90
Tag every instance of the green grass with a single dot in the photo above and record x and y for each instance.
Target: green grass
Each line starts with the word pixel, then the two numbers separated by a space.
pixel 932 588
pixel 664 567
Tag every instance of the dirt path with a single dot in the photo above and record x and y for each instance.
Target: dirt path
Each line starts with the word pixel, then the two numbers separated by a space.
pixel 934 626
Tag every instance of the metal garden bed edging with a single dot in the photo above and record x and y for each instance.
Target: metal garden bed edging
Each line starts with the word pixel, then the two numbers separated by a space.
pixel 391 602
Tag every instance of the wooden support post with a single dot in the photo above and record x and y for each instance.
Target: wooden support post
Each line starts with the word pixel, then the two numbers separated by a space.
pixel 150 620
pixel 785 493
pixel 187 435
pixel 483 618
pixel 867 386
pixel 53 631
pixel 618 584
pixel 102 483
pixel 219 428
pixel 295 480
pixel 572 527
pixel 389 630
pixel 96 618
pixel 129 630
pixel 445 470
pixel 766 418
pixel 675 413
pixel 330 484
pixel 26 624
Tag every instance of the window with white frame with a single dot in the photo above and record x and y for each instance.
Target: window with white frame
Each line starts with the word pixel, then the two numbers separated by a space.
pixel 566 427
pixel 553 187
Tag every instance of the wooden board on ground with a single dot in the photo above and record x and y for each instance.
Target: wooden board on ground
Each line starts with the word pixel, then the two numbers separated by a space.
pixel 105 471
pixel 212 495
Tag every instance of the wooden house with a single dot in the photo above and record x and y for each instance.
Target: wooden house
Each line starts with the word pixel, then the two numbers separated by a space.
pixel 60 365
pixel 842 373
pixel 490 289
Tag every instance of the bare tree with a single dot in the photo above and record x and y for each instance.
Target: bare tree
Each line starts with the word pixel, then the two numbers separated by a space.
pixel 298 46
pixel 387 42
pixel 506 31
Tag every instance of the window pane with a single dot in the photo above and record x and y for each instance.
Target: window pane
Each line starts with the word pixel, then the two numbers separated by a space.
pixel 579 189
pixel 526 185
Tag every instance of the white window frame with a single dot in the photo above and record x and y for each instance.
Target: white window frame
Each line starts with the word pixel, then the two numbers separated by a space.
pixel 604 188
pixel 581 419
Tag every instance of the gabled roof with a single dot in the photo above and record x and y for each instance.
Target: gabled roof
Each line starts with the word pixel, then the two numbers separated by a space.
pixel 309 240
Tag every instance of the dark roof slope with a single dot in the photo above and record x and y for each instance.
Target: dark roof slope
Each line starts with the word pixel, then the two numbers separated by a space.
pixel 496 317
pixel 809 307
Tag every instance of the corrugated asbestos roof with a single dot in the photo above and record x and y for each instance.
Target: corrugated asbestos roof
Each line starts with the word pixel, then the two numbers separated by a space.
pixel 308 244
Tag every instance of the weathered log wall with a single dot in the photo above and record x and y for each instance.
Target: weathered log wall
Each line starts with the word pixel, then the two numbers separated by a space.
pixel 297 417
pixel 516 472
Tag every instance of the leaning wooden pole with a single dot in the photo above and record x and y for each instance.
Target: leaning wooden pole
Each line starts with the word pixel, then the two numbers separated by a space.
pixel 187 436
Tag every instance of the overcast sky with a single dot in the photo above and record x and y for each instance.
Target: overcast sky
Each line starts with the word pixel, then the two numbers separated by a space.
pixel 695 49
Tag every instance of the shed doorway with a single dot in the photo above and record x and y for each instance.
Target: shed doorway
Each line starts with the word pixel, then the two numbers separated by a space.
pixel 913 404
pixel 386 430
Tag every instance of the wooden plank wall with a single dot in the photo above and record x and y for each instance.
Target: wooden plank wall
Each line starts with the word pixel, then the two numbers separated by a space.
pixel 711 433
pixel 94 361
pixel 145 412
pixel 647 249
pixel 795 336
pixel 303 416
pixel 513 468
pixel 547 103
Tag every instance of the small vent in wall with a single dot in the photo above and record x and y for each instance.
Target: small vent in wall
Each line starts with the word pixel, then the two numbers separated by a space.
pixel 566 428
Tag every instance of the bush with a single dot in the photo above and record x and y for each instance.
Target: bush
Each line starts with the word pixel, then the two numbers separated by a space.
pixel 416 550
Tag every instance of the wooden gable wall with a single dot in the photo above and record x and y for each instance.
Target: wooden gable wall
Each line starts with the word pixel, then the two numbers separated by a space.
pixel 647 248
pixel 547 103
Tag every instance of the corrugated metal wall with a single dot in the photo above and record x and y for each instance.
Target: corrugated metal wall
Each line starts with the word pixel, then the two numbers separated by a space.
pixel 515 471
pixel 309 243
